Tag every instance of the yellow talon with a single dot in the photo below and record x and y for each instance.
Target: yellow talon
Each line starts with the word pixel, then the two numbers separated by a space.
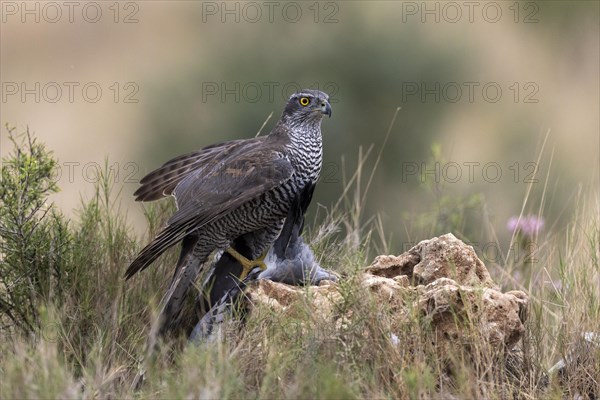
pixel 248 265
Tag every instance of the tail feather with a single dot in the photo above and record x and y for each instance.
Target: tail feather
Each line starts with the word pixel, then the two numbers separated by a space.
pixel 166 239
pixel 187 272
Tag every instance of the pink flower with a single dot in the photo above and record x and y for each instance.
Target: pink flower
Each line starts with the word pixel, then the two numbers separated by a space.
pixel 529 225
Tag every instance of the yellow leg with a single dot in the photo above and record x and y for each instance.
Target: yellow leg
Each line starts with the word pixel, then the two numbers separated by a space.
pixel 248 265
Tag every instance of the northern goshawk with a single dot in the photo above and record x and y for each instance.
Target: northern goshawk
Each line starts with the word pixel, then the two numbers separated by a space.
pixel 242 188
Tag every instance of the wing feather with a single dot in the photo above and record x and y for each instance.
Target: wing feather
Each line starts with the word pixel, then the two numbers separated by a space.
pixel 162 181
pixel 205 196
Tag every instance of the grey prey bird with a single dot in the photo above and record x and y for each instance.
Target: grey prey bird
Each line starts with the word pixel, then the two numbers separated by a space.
pixel 289 260
pixel 233 189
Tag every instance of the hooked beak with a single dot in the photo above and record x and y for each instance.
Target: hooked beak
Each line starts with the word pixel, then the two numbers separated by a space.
pixel 326 108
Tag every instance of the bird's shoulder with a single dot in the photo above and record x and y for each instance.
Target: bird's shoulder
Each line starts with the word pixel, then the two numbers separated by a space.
pixel 260 161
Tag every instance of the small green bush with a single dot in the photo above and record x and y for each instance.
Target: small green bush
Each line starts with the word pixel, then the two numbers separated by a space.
pixel 35 241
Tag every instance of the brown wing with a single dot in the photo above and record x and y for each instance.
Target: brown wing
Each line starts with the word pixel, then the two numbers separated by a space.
pixel 162 181
pixel 205 196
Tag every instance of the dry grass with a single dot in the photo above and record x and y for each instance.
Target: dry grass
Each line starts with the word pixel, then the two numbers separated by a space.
pixel 89 344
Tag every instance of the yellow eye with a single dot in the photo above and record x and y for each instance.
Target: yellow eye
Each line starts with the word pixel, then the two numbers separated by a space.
pixel 304 101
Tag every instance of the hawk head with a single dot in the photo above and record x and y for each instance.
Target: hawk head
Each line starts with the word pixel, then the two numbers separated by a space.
pixel 307 106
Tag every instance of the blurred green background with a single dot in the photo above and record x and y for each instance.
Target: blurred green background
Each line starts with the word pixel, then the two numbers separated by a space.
pixel 479 85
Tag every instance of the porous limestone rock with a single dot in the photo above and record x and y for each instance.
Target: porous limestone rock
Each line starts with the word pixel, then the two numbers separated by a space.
pixel 442 278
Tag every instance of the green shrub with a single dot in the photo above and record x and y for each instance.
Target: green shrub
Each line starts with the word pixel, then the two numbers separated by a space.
pixel 35 242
